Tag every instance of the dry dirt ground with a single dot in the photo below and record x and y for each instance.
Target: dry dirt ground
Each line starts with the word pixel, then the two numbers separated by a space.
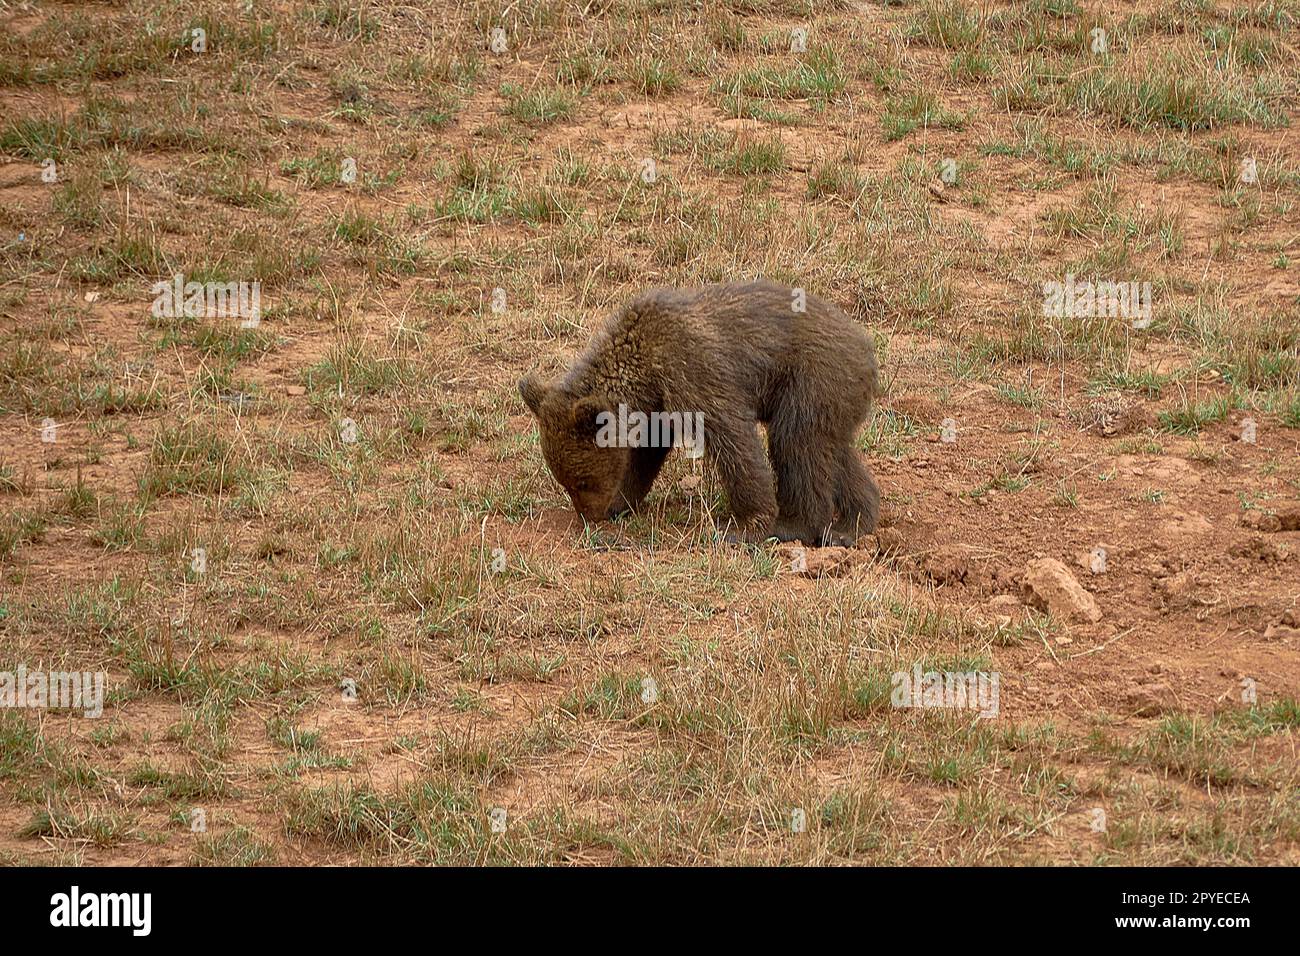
pixel 345 614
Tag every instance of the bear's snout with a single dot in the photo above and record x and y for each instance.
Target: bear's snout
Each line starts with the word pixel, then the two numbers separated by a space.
pixel 592 509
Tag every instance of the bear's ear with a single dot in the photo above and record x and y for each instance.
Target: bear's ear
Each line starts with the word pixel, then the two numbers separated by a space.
pixel 533 390
pixel 586 413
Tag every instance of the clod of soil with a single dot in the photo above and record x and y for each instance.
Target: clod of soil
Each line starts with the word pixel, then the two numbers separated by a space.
pixel 889 541
pixel 1049 586
pixel 817 562
pixel 947 565
pixel 1147 700
pixel 1286 518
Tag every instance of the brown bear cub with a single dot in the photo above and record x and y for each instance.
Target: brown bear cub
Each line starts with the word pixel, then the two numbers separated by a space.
pixel 723 358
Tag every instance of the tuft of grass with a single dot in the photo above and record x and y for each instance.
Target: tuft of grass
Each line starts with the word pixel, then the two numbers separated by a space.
pixel 654 77
pixel 192 458
pixel 839 180
pixel 945 23
pixel 539 107
pixel 1189 416
pixel 817 77
pixel 354 367
pixel 40 139
pixel 918 109
pixel 21 527
pixel 756 157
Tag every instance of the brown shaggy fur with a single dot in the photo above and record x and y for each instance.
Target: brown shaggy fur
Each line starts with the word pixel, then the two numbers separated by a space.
pixel 738 354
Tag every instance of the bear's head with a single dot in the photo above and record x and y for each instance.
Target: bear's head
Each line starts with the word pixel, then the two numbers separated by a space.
pixel 591 474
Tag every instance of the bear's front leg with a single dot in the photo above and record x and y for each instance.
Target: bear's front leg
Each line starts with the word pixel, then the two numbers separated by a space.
pixel 745 474
pixel 641 474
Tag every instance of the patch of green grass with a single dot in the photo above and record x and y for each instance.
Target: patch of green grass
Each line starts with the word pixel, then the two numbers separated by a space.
pixel 343 20
pixel 970 67
pixel 1174 95
pixel 1100 212
pixel 135 253
pixel 99 829
pixel 80 201
pixel 1189 416
pixel 323 168
pixel 817 77
pixel 229 181
pixel 1021 395
pixel 919 109
pixel 230 342
pixel 375 244
pixel 192 459
pixel 1201 749
pixel 431 821
pixel 888 433
pixel 238 846
pixel 1290 412
pixel 946 23
pixel 654 77
pixel 539 107
pixel 756 157
pixel 183 785
pixel 354 367
pixel 21 527
pixel 121 529
pixel 1147 381
pixel 39 139
pixel 840 180
pixel 540 205
pixel 612 697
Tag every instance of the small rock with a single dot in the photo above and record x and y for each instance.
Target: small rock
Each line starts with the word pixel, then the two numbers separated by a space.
pixel 295 390
pixel 1049 586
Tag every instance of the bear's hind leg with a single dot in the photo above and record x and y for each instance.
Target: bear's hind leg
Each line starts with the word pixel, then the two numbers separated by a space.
pixel 857 499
